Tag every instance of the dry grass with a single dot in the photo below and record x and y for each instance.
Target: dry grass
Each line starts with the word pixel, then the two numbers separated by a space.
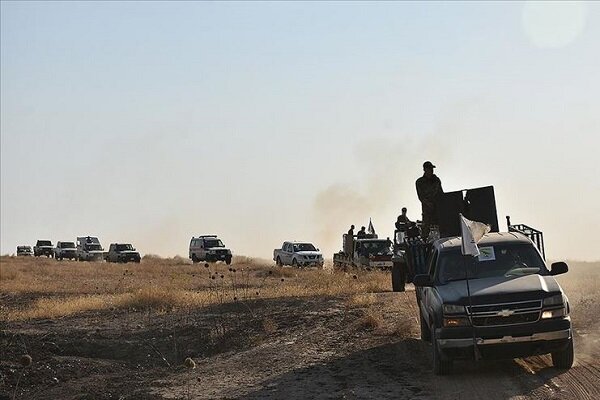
pixel 66 288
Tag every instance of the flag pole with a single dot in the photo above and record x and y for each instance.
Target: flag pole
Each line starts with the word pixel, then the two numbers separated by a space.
pixel 476 352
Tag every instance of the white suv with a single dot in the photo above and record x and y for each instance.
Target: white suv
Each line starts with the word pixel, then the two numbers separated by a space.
pixel 209 248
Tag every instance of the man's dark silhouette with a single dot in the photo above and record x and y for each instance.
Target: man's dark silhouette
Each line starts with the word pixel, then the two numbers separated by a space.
pixel 402 222
pixel 429 188
pixel 362 233
pixel 351 231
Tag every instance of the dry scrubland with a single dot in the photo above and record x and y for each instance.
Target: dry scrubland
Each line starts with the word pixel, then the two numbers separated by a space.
pixel 58 289
pixel 167 329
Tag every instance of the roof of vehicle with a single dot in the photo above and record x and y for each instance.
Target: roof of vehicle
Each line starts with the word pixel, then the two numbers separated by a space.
pixel 298 242
pixel 490 238
pixel 372 240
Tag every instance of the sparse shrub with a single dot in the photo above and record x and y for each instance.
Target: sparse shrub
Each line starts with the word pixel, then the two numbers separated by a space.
pixel 269 326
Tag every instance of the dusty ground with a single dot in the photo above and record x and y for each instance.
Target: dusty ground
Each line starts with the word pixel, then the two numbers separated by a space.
pixel 332 344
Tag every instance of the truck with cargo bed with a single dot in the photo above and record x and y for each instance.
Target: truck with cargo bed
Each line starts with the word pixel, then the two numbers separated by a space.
pixel 89 249
pixel 43 248
pixel 65 250
pixel 122 253
pixel 367 252
pixel 502 304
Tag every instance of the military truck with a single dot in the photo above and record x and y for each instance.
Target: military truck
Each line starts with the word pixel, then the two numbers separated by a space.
pixel 65 250
pixel 43 248
pixel 89 249
pixel 504 303
pixel 367 252
pixel 122 253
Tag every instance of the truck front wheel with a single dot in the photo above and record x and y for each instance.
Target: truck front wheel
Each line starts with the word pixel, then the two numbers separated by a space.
pixel 425 331
pixel 442 365
pixel 563 359
pixel 278 262
pixel 228 261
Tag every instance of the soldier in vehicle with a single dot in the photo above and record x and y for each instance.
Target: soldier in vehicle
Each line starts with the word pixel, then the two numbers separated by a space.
pixel 362 233
pixel 429 188
pixel 351 231
pixel 403 221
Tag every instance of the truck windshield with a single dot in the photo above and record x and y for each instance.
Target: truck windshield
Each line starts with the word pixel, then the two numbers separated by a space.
pixel 44 243
pixel 374 247
pixel 208 243
pixel 93 246
pixel 499 260
pixel 304 247
pixel 67 245
pixel 124 247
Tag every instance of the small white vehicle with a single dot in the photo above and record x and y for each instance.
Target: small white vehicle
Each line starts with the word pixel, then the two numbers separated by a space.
pixel 298 254
pixel 65 250
pixel 24 251
pixel 209 248
pixel 89 249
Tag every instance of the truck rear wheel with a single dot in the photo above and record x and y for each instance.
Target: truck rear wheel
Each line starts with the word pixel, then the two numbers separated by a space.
pixel 195 259
pixel 398 277
pixel 563 359
pixel 294 262
pixel 442 365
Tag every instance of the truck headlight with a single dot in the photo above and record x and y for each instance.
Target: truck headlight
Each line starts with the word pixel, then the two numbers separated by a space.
pixel 556 300
pixel 453 309
pixel 557 313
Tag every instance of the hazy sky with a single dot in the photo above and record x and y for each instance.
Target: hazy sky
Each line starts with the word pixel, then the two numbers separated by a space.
pixel 262 122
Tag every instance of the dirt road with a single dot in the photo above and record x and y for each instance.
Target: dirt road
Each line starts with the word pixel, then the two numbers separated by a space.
pixel 341 348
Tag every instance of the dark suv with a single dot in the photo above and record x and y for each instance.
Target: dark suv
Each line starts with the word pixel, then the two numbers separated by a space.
pixel 122 253
pixel 515 308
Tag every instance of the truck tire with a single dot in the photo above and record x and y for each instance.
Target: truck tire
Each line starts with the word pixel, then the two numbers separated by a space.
pixel 228 261
pixel 398 277
pixel 563 359
pixel 195 259
pixel 294 262
pixel 442 365
pixel 278 262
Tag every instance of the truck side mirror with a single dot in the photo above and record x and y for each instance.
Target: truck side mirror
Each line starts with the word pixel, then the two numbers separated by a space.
pixel 558 268
pixel 422 280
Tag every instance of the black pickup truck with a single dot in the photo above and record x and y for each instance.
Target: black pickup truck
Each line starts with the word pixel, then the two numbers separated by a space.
pixel 43 248
pixel 515 308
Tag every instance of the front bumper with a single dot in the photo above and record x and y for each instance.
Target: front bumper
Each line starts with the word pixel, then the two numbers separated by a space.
pixel 67 254
pixel 218 257
pixel 129 258
pixel 541 337
pixel 309 262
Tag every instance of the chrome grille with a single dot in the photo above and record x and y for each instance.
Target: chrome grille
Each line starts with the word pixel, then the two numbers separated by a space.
pixel 517 313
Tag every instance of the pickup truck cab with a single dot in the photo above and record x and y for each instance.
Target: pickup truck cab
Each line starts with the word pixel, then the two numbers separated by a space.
pixel 122 253
pixel 515 308
pixel 65 250
pixel 43 248
pixel 209 248
pixel 298 254
pixel 24 251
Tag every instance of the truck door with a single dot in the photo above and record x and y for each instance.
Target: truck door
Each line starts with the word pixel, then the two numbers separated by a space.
pixel 286 254
pixel 425 294
pixel 201 250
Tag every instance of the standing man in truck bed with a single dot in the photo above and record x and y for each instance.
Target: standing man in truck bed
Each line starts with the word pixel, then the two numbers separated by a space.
pixel 429 188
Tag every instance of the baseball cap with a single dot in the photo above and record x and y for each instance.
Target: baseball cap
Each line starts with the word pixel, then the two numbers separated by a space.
pixel 428 164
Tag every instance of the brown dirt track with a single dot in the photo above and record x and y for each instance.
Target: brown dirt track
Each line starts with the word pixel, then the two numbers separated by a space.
pixel 301 346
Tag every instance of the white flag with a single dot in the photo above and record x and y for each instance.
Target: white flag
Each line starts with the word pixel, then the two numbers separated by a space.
pixel 472 232
pixel 371 229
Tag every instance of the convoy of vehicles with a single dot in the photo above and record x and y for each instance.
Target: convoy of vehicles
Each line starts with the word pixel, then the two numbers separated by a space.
pixel 43 248
pixel 65 250
pixel 122 253
pixel 24 251
pixel 208 248
pixel 298 254
pixel 366 252
pixel 89 249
